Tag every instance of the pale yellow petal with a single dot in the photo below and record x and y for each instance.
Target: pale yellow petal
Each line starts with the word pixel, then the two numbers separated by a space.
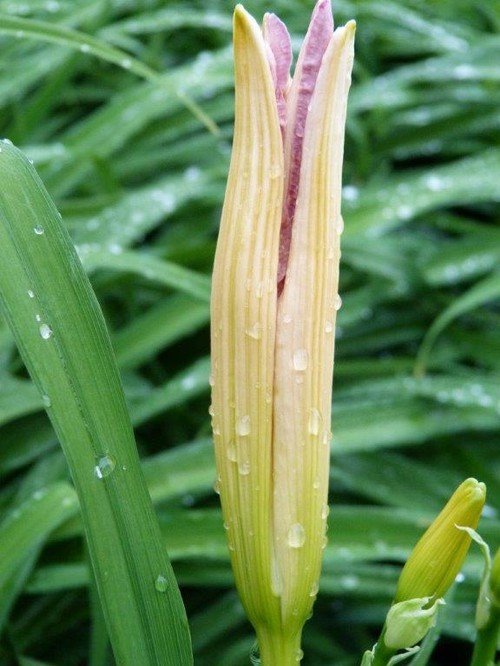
pixel 305 334
pixel 244 321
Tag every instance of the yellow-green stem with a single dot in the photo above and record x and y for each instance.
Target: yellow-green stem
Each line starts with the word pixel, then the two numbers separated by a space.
pixel 485 647
pixel 278 649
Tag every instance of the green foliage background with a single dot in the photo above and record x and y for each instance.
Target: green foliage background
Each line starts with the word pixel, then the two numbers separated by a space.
pixel 139 180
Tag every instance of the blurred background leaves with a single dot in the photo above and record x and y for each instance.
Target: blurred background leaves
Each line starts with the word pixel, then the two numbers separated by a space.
pixel 139 180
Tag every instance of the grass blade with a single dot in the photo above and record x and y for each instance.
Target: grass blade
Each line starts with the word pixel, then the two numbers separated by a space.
pixel 57 34
pixel 60 331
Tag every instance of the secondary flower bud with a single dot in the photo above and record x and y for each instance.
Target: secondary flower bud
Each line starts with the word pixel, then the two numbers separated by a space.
pixel 438 557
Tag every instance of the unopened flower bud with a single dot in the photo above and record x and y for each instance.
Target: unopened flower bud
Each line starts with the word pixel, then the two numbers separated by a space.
pixel 438 557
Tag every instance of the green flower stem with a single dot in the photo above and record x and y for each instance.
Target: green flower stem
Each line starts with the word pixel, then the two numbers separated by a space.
pixel 487 640
pixel 381 653
pixel 278 649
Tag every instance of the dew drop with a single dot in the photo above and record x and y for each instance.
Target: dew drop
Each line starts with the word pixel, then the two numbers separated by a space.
pixel 104 466
pixel 314 421
pixel 211 410
pixel 45 331
pixel 211 380
pixel 340 225
pixel 38 317
pixel 338 302
pixel 39 230
pixel 84 48
pixel 300 360
pixel 244 468
pixel 161 584
pixel 328 327
pixel 254 331
pixel 31 293
pixel 299 655
pixel 296 536
pixel 314 589
pixel 126 63
pixel 47 402
pixel 231 452
pixel 217 484
pixel 325 510
pixel 243 426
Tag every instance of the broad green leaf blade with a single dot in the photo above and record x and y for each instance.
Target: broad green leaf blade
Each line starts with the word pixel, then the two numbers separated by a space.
pixel 60 331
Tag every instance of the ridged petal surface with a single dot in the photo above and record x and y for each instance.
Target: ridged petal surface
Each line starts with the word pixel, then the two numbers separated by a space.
pixel 244 321
pixel 305 334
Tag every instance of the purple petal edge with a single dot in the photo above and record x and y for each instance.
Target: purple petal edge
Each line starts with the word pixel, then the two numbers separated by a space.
pixel 280 51
pixel 313 48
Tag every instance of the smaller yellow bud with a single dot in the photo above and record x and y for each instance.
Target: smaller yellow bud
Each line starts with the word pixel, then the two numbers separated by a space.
pixel 438 556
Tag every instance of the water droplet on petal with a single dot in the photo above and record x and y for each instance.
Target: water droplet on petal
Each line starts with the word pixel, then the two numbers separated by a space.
pixel 161 584
pixel 300 360
pixel 340 225
pixel 325 510
pixel 338 302
pixel 217 484
pixel 296 536
pixel 254 331
pixel 105 466
pixel 328 327
pixel 314 589
pixel 314 421
pixel 45 331
pixel 243 426
pixel 244 468
pixel 299 655
pixel 231 452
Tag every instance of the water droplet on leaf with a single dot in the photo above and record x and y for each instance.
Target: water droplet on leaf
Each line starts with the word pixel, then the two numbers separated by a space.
pixel 105 466
pixel 161 584
pixel 45 331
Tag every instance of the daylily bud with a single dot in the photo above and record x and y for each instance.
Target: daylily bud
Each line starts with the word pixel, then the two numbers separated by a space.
pixel 438 556
pixel 275 285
